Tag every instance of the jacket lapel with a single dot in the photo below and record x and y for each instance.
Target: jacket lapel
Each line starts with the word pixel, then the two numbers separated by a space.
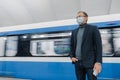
pixel 76 32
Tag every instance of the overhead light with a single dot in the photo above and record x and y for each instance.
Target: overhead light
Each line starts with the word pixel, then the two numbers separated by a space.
pixel 24 37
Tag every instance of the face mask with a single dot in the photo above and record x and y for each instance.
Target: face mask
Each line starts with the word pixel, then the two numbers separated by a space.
pixel 80 20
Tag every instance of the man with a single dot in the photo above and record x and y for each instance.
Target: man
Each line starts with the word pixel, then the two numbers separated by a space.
pixel 86 49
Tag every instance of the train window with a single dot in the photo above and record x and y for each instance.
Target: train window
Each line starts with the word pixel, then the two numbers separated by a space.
pixel 24 45
pixel 11 46
pixel 106 42
pixel 110 41
pixel 2 46
pixel 8 46
pixel 116 40
pixel 54 44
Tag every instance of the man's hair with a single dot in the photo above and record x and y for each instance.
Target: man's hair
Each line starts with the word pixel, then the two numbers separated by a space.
pixel 86 15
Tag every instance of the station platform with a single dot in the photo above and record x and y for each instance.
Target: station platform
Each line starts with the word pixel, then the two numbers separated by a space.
pixel 9 78
pixel 107 79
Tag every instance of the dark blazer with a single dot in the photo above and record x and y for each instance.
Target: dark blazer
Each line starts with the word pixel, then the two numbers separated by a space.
pixel 91 48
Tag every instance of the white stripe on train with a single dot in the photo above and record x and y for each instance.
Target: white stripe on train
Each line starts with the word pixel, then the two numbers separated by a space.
pixel 54 59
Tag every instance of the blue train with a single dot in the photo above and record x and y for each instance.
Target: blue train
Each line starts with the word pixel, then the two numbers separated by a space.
pixel 41 51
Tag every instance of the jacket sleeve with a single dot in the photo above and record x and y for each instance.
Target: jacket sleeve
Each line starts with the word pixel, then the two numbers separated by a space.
pixel 97 44
pixel 71 45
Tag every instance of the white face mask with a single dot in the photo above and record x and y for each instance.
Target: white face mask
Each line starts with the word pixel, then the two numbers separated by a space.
pixel 80 20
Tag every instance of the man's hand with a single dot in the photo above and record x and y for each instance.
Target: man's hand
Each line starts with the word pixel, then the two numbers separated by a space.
pixel 74 59
pixel 97 67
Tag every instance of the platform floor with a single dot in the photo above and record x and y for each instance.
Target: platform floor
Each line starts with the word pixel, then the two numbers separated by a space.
pixel 107 79
pixel 7 78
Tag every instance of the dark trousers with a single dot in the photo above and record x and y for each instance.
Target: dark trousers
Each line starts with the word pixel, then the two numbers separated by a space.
pixel 81 72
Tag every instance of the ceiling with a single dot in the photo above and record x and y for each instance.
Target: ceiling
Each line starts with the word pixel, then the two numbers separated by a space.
pixel 19 12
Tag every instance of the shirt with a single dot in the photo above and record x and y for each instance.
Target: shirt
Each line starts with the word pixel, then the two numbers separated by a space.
pixel 79 42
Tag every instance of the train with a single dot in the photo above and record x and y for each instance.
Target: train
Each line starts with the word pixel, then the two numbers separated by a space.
pixel 40 51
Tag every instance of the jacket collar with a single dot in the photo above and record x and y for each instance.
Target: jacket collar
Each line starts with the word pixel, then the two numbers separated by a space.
pixel 83 25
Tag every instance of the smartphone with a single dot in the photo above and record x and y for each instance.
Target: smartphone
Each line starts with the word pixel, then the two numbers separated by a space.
pixel 95 73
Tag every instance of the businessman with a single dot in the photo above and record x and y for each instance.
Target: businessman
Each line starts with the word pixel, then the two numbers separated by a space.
pixel 86 49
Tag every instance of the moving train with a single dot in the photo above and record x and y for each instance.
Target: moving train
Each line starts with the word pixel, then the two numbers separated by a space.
pixel 40 51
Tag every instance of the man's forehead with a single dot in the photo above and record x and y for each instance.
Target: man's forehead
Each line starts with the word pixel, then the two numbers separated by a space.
pixel 80 13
